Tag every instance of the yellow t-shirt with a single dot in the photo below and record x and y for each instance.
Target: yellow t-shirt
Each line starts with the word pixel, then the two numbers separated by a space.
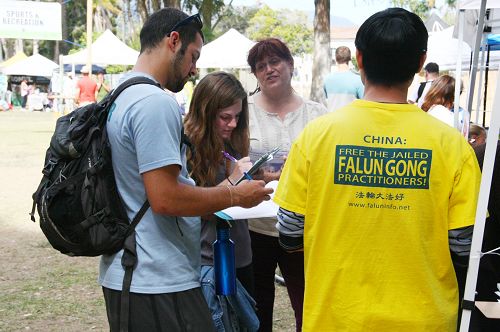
pixel 380 185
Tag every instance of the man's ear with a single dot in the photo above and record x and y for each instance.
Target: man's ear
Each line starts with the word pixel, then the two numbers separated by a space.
pixel 359 60
pixel 173 41
pixel 423 57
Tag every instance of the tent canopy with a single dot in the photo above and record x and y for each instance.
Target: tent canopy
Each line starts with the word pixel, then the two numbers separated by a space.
pixel 106 50
pixel 17 57
pixel 443 49
pixel 35 65
pixel 228 51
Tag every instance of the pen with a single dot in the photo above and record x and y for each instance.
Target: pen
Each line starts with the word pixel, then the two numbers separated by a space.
pixel 247 176
pixel 228 156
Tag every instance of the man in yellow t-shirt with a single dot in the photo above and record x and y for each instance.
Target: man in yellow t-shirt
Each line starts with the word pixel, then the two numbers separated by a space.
pixel 377 194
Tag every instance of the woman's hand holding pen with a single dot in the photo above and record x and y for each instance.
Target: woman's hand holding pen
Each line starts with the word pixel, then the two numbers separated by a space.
pixel 240 167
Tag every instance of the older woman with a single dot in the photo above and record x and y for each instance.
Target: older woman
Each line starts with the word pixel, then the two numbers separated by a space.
pixel 277 116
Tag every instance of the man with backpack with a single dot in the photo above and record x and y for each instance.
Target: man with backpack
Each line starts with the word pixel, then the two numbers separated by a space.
pixel 145 129
pixel 431 72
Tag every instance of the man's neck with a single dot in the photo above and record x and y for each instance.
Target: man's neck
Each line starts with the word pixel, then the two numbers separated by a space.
pixel 394 95
pixel 148 63
pixel 342 67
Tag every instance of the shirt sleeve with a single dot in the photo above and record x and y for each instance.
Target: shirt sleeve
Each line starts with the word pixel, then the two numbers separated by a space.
pixel 156 133
pixel 414 94
pixel 463 199
pixel 291 193
pixel 291 229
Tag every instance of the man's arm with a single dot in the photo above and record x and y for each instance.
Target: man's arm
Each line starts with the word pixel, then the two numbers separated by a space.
pixel 291 230
pixel 170 197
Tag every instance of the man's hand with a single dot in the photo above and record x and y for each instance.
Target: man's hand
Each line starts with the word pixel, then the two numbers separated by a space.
pixel 248 194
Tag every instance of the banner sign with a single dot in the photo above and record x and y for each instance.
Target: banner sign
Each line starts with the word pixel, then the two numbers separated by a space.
pixel 382 167
pixel 30 20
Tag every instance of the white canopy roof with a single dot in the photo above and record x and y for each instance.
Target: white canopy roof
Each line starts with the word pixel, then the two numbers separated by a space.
pixel 228 51
pixel 443 49
pixel 476 4
pixel 35 65
pixel 106 50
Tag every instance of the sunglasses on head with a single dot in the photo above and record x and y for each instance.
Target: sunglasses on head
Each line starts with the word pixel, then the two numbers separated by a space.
pixel 194 19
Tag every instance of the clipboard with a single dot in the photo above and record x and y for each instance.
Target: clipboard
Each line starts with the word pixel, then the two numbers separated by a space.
pixel 261 161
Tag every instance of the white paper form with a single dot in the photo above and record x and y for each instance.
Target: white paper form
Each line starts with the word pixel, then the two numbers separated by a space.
pixel 263 210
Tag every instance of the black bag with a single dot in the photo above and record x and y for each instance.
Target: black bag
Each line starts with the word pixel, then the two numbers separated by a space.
pixel 81 212
pixel 420 90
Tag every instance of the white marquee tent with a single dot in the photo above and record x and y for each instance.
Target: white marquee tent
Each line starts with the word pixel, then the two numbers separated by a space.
pixel 106 50
pixel 35 65
pixel 228 51
pixel 443 49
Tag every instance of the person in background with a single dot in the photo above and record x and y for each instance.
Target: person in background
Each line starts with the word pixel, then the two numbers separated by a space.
pixel 103 86
pixel 439 100
pixel 343 86
pixel 86 88
pixel 377 229
pixel 277 116
pixel 25 90
pixel 217 128
pixel 431 72
pixel 477 135
pixel 149 163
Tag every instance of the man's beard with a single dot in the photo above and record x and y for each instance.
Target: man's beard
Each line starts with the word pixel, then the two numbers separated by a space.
pixel 177 84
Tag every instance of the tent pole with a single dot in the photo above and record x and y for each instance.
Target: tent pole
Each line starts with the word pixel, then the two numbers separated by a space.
pixel 486 84
pixel 89 35
pixel 458 72
pixel 481 75
pixel 479 33
pixel 482 206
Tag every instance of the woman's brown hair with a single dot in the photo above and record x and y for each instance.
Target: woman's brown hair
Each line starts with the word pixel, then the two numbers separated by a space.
pixel 214 92
pixel 442 92
pixel 268 47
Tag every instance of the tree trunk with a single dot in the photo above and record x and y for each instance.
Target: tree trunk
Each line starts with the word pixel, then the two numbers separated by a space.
pixel 322 54
pixel 172 3
pixel 155 5
pixel 206 10
pixel 143 9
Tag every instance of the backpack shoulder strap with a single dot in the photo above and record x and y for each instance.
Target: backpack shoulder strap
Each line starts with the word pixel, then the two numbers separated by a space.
pixel 420 91
pixel 128 83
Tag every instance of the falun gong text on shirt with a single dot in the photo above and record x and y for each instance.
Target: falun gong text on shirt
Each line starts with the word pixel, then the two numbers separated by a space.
pixel 382 167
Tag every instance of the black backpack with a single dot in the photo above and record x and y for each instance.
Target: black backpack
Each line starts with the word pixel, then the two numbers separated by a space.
pixel 81 212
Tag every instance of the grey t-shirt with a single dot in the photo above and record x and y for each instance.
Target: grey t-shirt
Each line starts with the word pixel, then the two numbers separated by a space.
pixel 144 128
pixel 239 235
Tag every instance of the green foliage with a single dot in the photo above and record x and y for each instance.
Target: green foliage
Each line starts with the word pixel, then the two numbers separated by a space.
pixel 419 7
pixel 269 23
pixel 237 18
pixel 116 69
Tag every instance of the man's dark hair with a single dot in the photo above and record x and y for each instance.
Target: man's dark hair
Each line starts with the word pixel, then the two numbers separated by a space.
pixel 159 25
pixel 432 67
pixel 391 42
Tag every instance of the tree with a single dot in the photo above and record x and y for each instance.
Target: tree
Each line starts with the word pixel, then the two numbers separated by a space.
pixel 322 53
pixel 237 18
pixel 269 23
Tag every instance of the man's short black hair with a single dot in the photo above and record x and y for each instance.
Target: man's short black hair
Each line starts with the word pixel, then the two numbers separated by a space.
pixel 391 42
pixel 160 24
pixel 432 67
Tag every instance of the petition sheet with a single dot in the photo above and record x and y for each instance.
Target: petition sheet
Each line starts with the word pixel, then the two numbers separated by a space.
pixel 263 210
